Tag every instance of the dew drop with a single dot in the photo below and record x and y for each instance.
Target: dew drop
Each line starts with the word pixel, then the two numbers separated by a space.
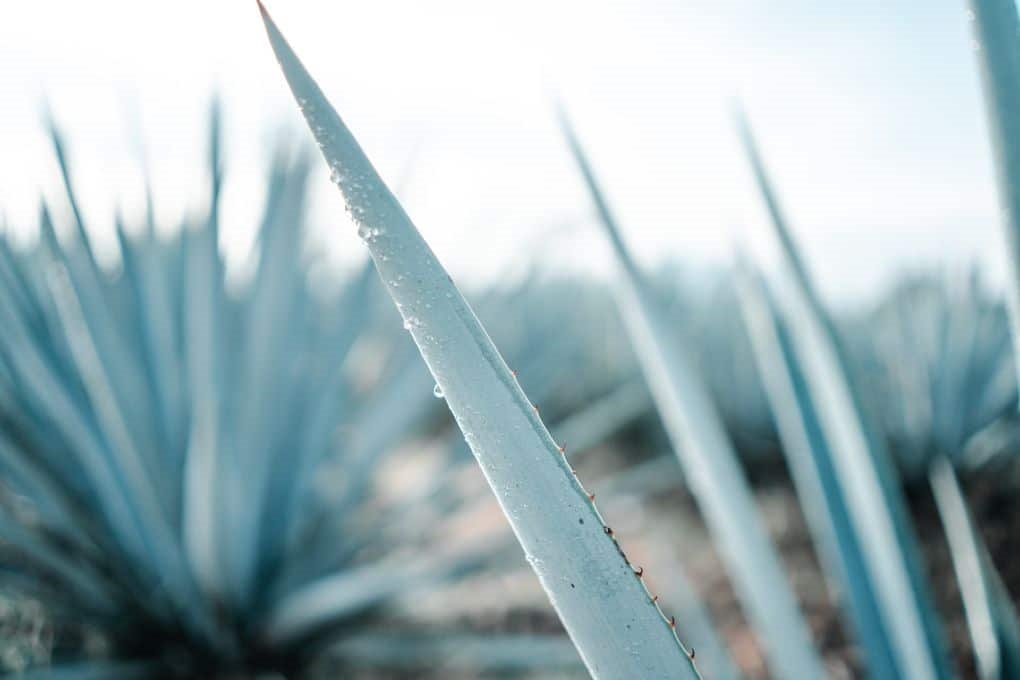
pixel 437 391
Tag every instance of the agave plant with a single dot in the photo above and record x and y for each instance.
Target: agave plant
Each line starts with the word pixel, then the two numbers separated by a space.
pixel 935 360
pixel 194 475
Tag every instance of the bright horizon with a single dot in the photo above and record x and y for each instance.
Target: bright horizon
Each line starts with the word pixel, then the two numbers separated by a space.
pixel 868 115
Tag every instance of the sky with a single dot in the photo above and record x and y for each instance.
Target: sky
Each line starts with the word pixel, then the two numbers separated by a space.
pixel 868 113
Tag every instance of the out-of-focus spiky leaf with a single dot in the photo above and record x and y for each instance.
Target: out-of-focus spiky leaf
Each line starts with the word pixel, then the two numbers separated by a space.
pixel 710 465
pixel 996 28
pixel 810 462
pixel 991 617
pixel 862 464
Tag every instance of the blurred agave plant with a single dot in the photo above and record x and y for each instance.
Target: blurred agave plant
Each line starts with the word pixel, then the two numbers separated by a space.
pixel 165 441
pixel 936 355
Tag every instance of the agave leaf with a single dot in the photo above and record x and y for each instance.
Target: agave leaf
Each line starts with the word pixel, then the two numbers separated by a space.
pixel 57 140
pixel 466 653
pixel 151 309
pixel 709 462
pixel 204 482
pixel 41 388
pixel 996 27
pixel 138 482
pixel 119 358
pixel 605 608
pixel 166 556
pixel 12 280
pixel 271 318
pixel 49 472
pixel 991 618
pixel 100 359
pixel 862 464
pixel 810 463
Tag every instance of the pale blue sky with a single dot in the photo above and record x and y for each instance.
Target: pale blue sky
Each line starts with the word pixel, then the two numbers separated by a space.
pixel 868 113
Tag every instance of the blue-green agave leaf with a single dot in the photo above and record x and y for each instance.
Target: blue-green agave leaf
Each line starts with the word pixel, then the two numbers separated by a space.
pixel 862 464
pixel 996 27
pixel 207 490
pixel 811 466
pixel 997 31
pixel 618 629
pixel 991 618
